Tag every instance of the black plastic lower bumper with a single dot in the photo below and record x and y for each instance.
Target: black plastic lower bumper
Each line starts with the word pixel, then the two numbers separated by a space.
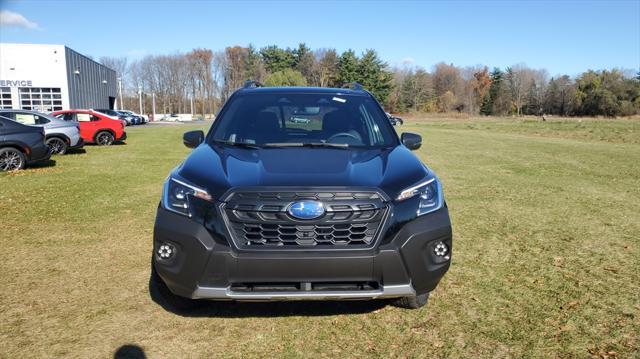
pixel 204 267
pixel 78 145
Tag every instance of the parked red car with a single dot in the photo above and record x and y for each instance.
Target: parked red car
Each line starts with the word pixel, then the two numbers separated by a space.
pixel 95 127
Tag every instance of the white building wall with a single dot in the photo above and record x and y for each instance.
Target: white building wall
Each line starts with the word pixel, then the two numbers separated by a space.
pixel 35 66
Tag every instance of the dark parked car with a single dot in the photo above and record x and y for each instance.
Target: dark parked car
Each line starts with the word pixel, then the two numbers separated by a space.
pixel 143 119
pixel 266 208
pixel 129 120
pixel 60 135
pixel 21 145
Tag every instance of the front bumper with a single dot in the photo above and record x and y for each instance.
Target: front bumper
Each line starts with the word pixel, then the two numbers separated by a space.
pixel 386 291
pixel 206 266
pixel 123 137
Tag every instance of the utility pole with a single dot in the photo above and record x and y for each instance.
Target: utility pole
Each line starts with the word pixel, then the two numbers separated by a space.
pixel 191 105
pixel 140 98
pixel 120 104
pixel 153 105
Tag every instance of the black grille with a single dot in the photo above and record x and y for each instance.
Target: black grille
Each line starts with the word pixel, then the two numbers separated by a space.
pixel 261 220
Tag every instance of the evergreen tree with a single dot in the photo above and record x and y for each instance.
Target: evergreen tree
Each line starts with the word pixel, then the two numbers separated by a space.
pixel 277 59
pixel 373 76
pixel 500 103
pixel 347 67
pixel 491 105
pixel 304 61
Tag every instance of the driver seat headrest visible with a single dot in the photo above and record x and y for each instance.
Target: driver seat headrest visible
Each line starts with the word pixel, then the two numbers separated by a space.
pixel 334 122
pixel 266 121
pixel 265 128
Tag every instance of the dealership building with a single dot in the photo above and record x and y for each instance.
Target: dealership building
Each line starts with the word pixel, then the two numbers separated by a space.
pixel 53 77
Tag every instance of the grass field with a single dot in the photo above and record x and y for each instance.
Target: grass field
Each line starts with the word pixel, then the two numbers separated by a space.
pixel 546 258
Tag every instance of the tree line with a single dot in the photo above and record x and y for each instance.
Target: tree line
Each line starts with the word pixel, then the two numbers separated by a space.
pixel 201 80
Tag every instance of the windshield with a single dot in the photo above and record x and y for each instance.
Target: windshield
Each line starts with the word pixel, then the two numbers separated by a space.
pixel 296 119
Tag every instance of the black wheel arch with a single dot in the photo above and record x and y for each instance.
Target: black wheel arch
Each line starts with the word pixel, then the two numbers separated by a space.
pixel 61 136
pixel 22 147
pixel 95 137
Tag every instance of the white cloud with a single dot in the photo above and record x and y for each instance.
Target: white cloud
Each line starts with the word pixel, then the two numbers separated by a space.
pixel 408 61
pixel 13 19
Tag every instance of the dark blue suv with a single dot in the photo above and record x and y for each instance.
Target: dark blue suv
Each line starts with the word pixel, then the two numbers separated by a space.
pixel 301 193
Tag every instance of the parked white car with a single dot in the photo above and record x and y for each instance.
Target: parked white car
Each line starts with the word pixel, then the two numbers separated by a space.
pixel 181 117
pixel 170 118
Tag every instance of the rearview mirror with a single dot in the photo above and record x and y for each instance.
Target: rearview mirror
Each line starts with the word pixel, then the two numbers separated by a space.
pixel 193 139
pixel 412 141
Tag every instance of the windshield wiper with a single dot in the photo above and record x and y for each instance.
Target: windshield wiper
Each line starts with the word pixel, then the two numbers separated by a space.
pixel 237 144
pixel 312 144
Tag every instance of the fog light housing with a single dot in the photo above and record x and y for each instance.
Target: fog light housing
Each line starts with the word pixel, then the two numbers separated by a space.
pixel 441 250
pixel 166 251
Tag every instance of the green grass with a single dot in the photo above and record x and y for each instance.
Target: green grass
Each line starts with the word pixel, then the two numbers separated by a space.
pixel 546 263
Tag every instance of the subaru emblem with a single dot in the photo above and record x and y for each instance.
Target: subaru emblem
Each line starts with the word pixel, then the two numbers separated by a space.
pixel 306 209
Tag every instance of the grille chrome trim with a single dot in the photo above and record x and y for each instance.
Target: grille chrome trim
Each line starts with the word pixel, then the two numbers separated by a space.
pixel 386 291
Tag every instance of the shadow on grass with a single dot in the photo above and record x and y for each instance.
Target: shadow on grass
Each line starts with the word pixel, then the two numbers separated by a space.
pixel 75 151
pixel 42 164
pixel 129 351
pixel 231 309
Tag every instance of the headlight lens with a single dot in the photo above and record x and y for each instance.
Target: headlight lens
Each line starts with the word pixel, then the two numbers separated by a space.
pixel 430 192
pixel 176 196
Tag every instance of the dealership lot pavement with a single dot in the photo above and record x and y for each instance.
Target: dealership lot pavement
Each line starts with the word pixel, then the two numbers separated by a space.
pixel 546 223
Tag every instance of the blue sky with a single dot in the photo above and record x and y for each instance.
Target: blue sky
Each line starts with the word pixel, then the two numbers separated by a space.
pixel 561 36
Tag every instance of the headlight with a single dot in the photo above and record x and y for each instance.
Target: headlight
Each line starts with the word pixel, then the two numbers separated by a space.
pixel 430 192
pixel 176 196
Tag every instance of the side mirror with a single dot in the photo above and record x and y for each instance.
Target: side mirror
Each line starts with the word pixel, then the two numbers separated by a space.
pixel 397 120
pixel 193 139
pixel 412 141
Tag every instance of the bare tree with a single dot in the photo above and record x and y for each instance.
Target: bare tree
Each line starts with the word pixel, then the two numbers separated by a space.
pixel 236 61
pixel 518 78
pixel 119 64
pixel 448 86
pixel 325 68
pixel 199 68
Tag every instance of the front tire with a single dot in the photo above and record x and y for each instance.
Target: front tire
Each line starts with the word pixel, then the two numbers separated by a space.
pixel 104 138
pixel 11 159
pixel 57 145
pixel 413 302
pixel 163 293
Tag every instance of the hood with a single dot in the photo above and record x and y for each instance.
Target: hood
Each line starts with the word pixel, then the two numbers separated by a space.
pixel 220 168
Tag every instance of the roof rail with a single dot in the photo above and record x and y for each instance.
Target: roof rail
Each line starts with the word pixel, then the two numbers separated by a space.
pixel 252 84
pixel 353 85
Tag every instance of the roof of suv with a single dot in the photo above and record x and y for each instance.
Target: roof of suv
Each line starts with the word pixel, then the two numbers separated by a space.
pixel 316 90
